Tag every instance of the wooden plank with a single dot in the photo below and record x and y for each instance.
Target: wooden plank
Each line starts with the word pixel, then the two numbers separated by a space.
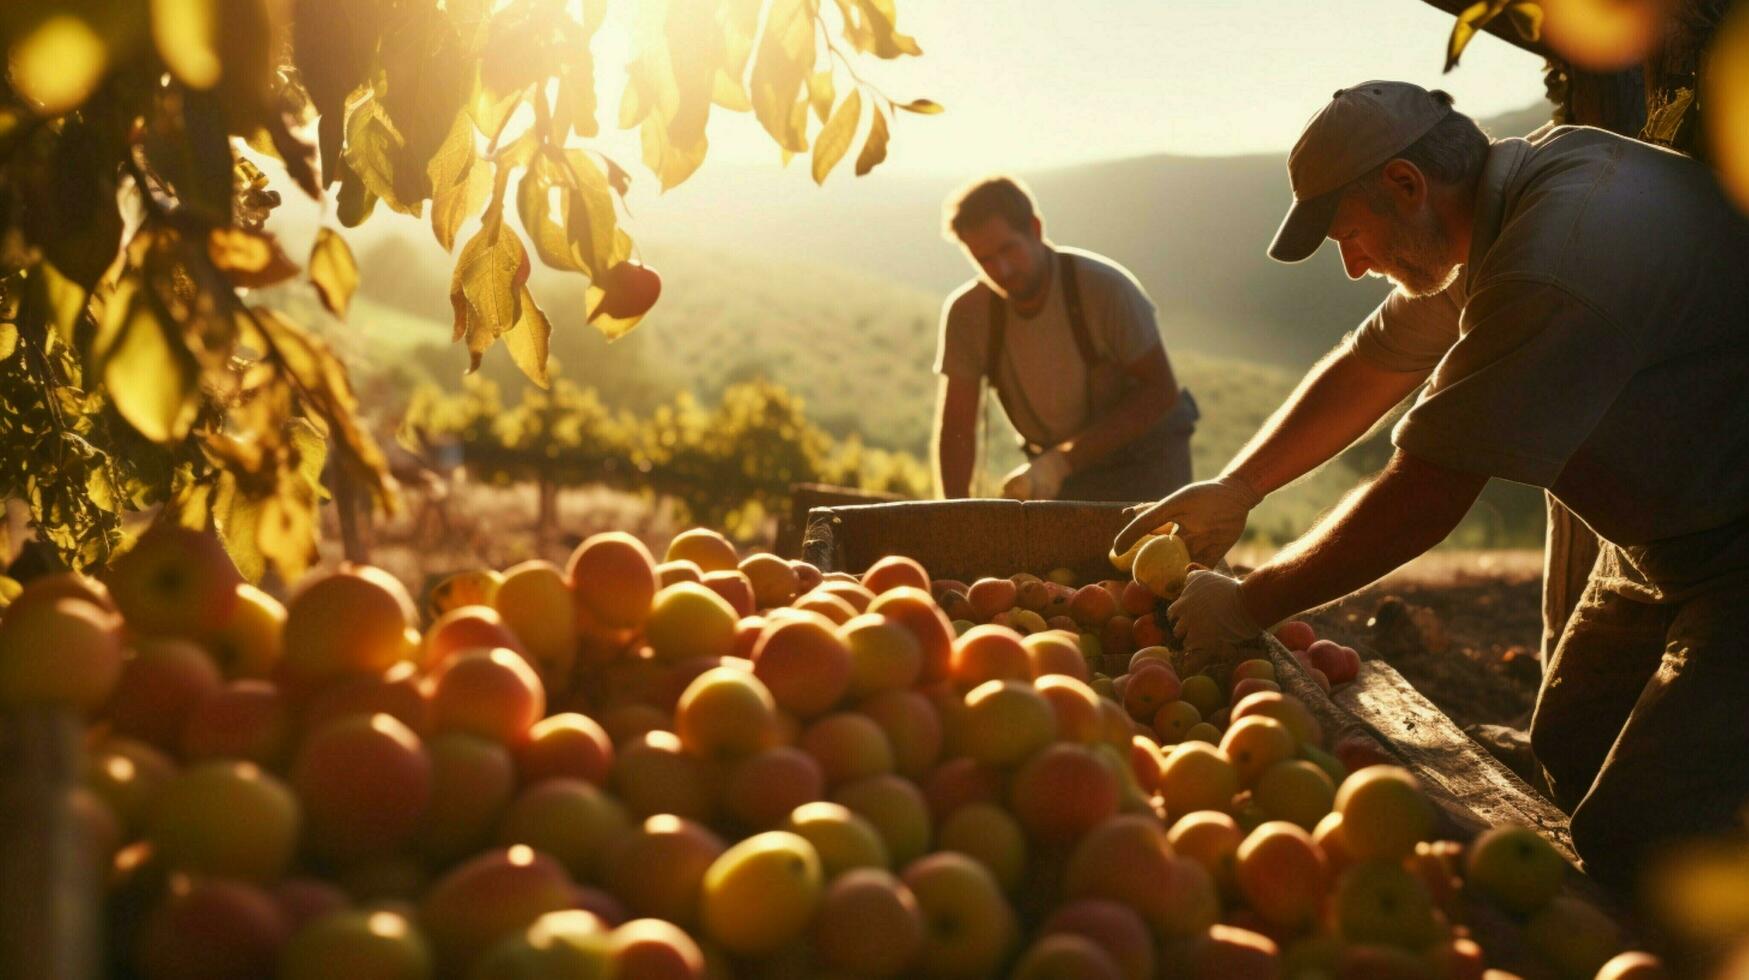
pixel 1470 783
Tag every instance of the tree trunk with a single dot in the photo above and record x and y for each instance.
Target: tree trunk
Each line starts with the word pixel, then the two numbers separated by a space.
pixel 354 515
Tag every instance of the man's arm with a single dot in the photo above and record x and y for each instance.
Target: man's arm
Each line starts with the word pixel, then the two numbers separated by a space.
pixel 1341 397
pixel 956 444
pixel 1408 508
pixel 1145 404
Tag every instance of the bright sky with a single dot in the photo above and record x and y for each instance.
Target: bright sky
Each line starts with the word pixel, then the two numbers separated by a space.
pixel 1037 83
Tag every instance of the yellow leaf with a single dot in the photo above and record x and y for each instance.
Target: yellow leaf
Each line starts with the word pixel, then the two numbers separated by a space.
pixel 9 590
pixel 185 32
pixel 874 149
pixel 333 271
pixel 1527 19
pixel 527 340
pixel 459 182
pixel 491 110
pixel 250 259
pixel 820 93
pixel 486 286
pixel 57 64
pixel 923 107
pixel 151 377
pixel 8 339
pixel 64 298
pixel 286 534
pixel 312 452
pixel 373 145
pixel 592 223
pixel 237 519
pixel 835 137
pixel 549 177
pixel 786 56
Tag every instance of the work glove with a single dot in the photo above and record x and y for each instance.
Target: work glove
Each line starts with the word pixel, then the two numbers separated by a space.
pixel 1210 516
pixel 1040 479
pixel 1209 618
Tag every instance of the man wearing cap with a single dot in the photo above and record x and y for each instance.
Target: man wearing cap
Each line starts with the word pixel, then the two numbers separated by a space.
pixel 1068 342
pixel 1577 309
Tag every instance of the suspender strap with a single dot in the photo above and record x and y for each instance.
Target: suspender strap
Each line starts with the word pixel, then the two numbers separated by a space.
pixel 1077 327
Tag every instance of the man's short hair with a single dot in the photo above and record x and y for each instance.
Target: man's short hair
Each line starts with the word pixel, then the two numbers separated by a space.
pixel 1452 152
pixel 1001 196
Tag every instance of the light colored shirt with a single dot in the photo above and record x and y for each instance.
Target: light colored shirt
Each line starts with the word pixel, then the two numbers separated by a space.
pixel 1041 374
pixel 1596 343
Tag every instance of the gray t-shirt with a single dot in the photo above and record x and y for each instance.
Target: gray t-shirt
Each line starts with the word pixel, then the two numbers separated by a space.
pixel 1041 376
pixel 1597 341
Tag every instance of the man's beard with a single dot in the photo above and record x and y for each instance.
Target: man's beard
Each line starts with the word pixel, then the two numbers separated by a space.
pixel 1415 253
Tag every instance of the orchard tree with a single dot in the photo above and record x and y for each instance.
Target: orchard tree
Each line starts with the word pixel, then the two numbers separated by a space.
pixel 135 367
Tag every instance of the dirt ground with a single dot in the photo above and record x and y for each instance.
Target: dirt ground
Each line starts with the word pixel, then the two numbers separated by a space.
pixel 1473 650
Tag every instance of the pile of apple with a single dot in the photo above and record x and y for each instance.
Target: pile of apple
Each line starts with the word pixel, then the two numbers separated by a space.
pixel 723 766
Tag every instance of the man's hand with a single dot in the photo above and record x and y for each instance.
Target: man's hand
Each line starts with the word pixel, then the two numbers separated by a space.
pixel 1210 516
pixel 1209 617
pixel 1040 479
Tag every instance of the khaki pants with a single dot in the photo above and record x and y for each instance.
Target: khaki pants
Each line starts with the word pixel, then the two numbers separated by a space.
pixel 1642 723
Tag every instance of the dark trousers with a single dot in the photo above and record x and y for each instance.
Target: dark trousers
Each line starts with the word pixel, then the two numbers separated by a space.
pixel 1150 468
pixel 1642 723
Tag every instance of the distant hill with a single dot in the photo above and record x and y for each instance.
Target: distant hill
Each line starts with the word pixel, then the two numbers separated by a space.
pixel 1192 229
pixel 835 292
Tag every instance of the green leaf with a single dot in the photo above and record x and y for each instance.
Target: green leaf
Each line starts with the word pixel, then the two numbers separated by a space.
pixel 874 149
pixel 527 340
pixel 835 137
pixel 923 107
pixel 820 93
pixel 786 56
pixel 152 379
pixel 333 271
pixel 250 259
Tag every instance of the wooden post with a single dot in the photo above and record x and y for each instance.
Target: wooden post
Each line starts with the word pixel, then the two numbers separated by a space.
pixel 49 893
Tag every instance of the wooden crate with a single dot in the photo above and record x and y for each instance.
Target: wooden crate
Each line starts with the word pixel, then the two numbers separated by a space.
pixel 804 497
pixel 965 539
pixel 969 539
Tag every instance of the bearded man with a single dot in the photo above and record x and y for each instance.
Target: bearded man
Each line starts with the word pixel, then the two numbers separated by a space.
pixel 1575 311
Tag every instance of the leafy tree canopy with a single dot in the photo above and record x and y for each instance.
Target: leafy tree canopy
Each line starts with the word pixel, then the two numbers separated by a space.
pixel 135 369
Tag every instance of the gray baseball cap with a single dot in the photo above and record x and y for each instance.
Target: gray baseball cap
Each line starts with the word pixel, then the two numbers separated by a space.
pixel 1362 127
